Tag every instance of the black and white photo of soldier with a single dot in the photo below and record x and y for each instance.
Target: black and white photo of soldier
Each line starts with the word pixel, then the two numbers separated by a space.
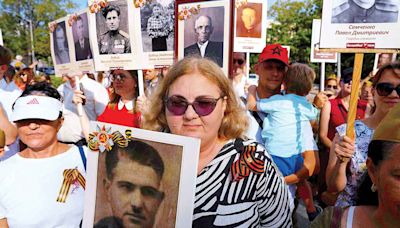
pixel 81 38
pixel 112 28
pixel 365 11
pixel 157 25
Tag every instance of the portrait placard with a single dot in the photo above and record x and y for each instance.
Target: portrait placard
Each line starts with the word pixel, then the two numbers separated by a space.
pixel 112 34
pixel 203 29
pixel 155 22
pixel 317 56
pixel 82 58
pixel 139 177
pixel 61 41
pixel 250 26
pixel 360 24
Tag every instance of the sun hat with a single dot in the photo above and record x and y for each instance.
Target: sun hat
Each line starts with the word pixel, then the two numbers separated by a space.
pixel 274 51
pixel 389 127
pixel 36 107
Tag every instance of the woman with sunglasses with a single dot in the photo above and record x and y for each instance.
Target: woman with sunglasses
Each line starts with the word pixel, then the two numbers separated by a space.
pixel 333 114
pixel 331 87
pixel 122 108
pixel 237 183
pixel 24 77
pixel 238 76
pixel 345 175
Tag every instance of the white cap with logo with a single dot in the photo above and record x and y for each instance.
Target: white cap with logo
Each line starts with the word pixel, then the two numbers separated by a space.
pixel 36 107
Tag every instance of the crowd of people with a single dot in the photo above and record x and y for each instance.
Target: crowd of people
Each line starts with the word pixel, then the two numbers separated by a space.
pixel 263 148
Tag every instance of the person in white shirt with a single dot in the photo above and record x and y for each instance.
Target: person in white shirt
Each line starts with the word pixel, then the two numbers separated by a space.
pixel 96 99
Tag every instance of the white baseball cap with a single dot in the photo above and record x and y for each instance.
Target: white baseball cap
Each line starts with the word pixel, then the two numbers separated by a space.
pixel 36 107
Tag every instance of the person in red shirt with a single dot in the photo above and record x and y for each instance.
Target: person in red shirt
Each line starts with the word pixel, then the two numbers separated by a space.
pixel 122 109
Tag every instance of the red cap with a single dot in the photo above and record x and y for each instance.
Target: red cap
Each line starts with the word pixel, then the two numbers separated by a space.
pixel 274 51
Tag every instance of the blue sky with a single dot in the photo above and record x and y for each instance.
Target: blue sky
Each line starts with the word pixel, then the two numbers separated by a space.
pixel 83 3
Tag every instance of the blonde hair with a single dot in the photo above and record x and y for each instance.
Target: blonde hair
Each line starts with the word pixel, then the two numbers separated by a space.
pixel 234 122
pixel 299 79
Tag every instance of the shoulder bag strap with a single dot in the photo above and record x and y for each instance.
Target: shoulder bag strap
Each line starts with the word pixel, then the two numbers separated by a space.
pixel 83 156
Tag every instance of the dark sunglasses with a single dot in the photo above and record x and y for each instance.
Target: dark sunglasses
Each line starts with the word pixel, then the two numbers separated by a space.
pixel 119 77
pixel 203 106
pixel 385 89
pixel 238 61
pixel 331 86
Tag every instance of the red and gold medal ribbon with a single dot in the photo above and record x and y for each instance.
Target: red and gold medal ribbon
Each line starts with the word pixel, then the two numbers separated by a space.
pixel 247 163
pixel 70 177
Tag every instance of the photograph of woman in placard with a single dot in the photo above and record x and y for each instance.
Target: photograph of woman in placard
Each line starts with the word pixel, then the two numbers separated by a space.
pixel 61 49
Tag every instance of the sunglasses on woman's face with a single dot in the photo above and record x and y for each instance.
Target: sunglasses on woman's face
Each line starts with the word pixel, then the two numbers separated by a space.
pixel 203 106
pixel 238 61
pixel 331 86
pixel 385 89
pixel 119 77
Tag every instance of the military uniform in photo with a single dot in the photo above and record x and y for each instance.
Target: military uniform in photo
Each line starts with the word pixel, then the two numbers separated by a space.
pixel 383 11
pixel 114 42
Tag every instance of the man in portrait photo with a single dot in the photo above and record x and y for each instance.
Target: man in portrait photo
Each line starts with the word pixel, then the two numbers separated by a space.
pixel 132 185
pixel 204 47
pixel 248 21
pixel 365 11
pixel 61 50
pixel 82 46
pixel 114 41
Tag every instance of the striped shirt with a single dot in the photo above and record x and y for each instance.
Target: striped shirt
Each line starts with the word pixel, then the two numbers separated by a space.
pixel 259 200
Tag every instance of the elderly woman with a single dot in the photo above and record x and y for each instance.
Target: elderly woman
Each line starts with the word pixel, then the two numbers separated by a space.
pixel 122 106
pixel 237 183
pixel 383 166
pixel 43 185
pixel 346 175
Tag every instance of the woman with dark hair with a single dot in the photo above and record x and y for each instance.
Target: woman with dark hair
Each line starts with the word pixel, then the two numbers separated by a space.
pixel 381 209
pixel 24 77
pixel 42 185
pixel 61 50
pixel 346 175
pixel 122 106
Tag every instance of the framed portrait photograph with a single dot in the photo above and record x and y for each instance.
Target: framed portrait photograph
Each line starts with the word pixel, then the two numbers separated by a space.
pixel 203 29
pixel 317 56
pixel 250 26
pixel 61 41
pixel 139 178
pixel 360 24
pixel 154 25
pixel 78 23
pixel 112 35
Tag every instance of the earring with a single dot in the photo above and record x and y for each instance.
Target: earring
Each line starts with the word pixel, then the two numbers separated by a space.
pixel 373 188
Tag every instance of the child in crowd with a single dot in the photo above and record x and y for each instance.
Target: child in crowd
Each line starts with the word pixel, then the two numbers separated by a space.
pixel 287 131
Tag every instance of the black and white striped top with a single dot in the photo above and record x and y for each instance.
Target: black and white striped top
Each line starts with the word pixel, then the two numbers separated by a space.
pixel 259 200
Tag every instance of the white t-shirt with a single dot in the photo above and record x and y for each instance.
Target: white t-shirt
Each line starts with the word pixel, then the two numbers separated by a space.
pixel 96 102
pixel 29 189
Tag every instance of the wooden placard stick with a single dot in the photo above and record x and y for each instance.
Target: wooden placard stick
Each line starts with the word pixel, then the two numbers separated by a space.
pixel 355 86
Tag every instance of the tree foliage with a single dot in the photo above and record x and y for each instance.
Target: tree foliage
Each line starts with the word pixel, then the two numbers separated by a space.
pixel 14 23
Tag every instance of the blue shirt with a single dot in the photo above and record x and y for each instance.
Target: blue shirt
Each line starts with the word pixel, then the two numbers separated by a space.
pixel 287 124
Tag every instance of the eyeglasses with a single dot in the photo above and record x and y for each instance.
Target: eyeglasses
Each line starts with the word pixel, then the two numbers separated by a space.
pixel 238 61
pixel 119 77
pixel 331 86
pixel 385 89
pixel 203 106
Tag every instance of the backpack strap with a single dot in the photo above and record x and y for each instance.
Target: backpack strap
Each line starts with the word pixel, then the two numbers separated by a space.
pixel 83 156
